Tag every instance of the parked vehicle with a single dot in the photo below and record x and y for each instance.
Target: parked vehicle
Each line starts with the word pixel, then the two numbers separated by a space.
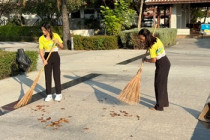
pixel 147 22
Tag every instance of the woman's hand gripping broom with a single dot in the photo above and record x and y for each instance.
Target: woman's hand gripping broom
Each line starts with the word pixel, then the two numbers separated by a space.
pixel 131 93
pixel 27 97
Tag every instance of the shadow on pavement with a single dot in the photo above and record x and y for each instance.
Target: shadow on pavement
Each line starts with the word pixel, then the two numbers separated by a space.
pixel 201 132
pixel 22 79
pixel 105 98
pixel 147 102
pixel 202 129
pixel 10 106
pixel 101 96
pixel 203 43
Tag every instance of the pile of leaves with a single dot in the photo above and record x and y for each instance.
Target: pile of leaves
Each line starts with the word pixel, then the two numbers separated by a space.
pixel 48 120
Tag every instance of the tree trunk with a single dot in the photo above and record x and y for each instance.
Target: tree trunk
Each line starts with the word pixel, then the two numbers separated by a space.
pixel 66 28
pixel 140 14
pixel 206 15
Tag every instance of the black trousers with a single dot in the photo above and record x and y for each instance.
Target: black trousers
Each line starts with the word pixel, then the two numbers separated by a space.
pixel 52 66
pixel 161 81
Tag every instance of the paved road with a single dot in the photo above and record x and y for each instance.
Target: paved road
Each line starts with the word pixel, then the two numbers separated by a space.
pixel 90 110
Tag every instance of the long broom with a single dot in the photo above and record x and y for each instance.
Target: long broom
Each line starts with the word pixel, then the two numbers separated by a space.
pixel 27 97
pixel 131 93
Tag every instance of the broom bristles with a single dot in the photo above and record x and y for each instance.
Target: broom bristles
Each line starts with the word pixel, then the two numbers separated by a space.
pixel 131 93
pixel 26 98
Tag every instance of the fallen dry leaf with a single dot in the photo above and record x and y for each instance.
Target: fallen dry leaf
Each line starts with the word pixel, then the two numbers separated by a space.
pixel 138 117
pixel 113 114
pixel 55 124
pixel 47 126
pixel 86 128
pixel 39 106
pixel 66 121
pixel 40 118
pixel 48 118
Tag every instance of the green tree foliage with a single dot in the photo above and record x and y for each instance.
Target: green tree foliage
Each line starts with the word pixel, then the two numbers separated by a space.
pixel 119 18
pixel 46 10
pixel 111 21
pixel 196 13
pixel 125 14
pixel 8 7
pixel 75 4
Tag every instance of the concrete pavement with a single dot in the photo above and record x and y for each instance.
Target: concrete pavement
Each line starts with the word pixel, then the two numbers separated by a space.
pixel 90 110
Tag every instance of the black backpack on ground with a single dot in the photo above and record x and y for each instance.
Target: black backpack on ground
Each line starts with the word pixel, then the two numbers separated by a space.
pixel 24 62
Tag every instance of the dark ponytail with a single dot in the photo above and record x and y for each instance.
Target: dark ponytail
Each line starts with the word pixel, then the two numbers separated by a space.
pixel 149 38
pixel 47 26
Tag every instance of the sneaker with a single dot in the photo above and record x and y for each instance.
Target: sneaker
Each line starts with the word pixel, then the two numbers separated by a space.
pixel 58 97
pixel 48 98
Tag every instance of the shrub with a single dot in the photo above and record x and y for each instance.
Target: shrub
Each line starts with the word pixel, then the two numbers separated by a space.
pixel 18 33
pixel 129 38
pixel 92 23
pixel 95 43
pixel 23 33
pixel 9 66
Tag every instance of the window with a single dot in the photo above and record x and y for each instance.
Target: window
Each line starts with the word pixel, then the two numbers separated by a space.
pixel 89 11
pixel 75 14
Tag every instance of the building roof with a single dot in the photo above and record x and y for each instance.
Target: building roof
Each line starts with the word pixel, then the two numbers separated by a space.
pixel 159 2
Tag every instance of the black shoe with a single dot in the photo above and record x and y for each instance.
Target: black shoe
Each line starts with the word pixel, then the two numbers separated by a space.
pixel 155 109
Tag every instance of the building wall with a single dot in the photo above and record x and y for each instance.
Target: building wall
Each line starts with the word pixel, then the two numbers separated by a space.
pixel 174 17
pixel 202 20
pixel 2 1
pixel 180 17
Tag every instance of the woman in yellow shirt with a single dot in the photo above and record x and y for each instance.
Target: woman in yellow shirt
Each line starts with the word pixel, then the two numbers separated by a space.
pixel 162 63
pixel 46 42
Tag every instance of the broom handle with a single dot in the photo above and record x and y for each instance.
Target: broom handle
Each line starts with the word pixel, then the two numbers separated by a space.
pixel 37 78
pixel 142 63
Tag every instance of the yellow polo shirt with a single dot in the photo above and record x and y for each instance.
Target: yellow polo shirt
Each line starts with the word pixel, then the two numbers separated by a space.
pixel 157 50
pixel 48 44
